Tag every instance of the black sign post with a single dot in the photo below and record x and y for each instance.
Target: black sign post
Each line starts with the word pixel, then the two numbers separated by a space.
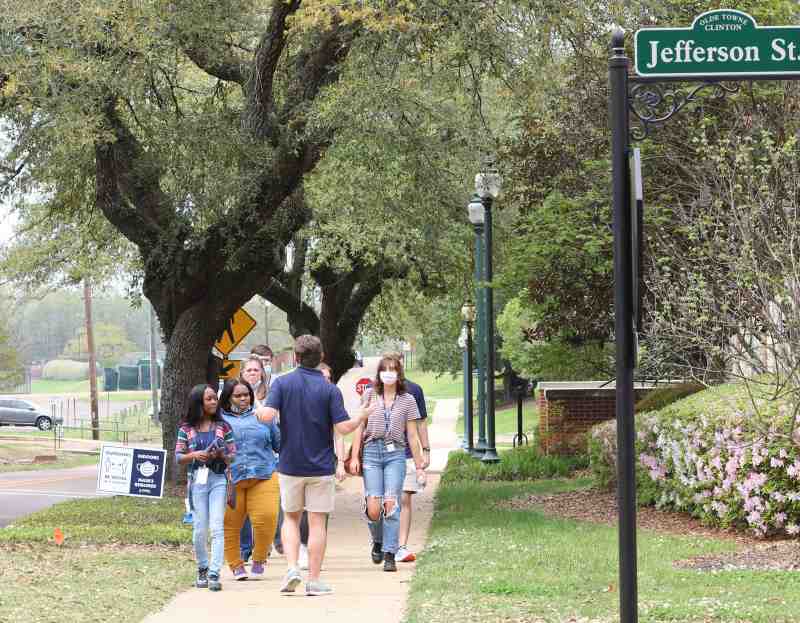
pixel 720 48
pixel 623 325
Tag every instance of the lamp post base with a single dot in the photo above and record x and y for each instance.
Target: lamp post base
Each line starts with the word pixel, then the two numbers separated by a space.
pixel 490 456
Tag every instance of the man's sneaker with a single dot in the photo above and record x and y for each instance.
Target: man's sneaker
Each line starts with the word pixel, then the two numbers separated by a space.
pixel 291 581
pixel 202 578
pixel 317 589
pixel 377 553
pixel 213 582
pixel 404 555
pixel 257 569
pixel 388 562
pixel 240 573
pixel 302 558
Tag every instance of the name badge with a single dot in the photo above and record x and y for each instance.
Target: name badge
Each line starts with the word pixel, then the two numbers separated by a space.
pixel 201 477
pixel 390 447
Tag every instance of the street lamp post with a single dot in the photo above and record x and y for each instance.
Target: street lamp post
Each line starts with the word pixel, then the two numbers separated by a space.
pixel 468 314
pixel 477 214
pixel 487 185
pixel 467 388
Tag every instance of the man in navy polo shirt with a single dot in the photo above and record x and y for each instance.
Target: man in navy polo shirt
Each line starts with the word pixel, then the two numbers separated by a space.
pixel 309 409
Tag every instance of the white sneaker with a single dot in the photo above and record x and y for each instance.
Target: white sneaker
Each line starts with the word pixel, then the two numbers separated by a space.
pixel 404 555
pixel 302 558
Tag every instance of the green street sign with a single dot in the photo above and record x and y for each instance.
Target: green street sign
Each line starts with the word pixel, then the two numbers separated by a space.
pixel 724 42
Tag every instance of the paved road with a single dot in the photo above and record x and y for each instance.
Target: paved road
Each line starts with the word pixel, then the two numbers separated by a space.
pixel 22 493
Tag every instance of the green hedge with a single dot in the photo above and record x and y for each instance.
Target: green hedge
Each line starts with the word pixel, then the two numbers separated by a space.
pixel 660 397
pixel 65 370
pixel 525 463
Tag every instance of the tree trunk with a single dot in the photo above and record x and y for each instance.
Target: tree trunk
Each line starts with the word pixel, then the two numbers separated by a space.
pixel 337 342
pixel 185 365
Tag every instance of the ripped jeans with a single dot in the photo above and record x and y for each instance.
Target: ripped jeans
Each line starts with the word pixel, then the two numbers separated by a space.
pixel 384 473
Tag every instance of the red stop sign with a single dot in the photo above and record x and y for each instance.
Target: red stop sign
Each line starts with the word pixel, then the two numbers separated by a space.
pixel 362 385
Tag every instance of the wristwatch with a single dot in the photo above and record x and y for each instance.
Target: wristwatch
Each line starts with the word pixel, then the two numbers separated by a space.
pixel 426 449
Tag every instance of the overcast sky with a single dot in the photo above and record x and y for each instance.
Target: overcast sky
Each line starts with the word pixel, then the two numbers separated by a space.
pixel 6 224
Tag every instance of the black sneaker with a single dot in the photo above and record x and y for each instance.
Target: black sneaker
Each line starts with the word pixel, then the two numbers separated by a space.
pixel 213 582
pixel 388 562
pixel 377 553
pixel 202 578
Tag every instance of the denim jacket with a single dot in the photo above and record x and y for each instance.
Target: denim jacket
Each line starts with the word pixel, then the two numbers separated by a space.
pixel 256 445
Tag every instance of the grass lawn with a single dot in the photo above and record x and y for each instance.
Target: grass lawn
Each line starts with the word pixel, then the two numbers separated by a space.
pixel 12 452
pixel 122 558
pixel 81 389
pixel 486 564
pixel 445 386
pixel 50 386
pixel 505 420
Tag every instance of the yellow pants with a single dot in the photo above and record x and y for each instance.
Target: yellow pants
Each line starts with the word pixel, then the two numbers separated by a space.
pixel 260 500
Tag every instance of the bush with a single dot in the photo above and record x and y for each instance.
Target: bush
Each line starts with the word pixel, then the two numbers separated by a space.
pixel 65 370
pixel 525 463
pixel 724 457
pixel 661 397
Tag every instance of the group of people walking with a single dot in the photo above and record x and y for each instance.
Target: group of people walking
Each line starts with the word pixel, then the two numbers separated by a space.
pixel 263 457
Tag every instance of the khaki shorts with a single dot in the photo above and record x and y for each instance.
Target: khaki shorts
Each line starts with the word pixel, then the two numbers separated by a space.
pixel 312 493
pixel 410 484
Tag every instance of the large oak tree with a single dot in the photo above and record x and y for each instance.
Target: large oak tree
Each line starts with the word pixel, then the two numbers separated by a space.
pixel 193 128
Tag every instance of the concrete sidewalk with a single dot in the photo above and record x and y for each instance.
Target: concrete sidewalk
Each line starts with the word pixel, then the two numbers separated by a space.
pixel 363 591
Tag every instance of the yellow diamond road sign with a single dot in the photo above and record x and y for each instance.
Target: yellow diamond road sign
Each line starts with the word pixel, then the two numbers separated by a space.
pixel 240 324
pixel 230 369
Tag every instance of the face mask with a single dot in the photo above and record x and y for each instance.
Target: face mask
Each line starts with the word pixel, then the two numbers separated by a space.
pixel 268 369
pixel 388 377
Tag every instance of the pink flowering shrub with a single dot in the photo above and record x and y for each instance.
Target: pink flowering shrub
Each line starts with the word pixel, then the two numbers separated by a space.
pixel 716 456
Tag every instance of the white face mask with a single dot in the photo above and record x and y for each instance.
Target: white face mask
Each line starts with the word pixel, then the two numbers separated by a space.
pixel 268 369
pixel 388 377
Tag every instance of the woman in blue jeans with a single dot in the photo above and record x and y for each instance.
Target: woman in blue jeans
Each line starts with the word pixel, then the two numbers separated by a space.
pixel 393 412
pixel 205 443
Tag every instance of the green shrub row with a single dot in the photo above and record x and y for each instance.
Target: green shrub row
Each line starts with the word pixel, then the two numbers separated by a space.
pixel 525 463
pixel 65 370
pixel 661 397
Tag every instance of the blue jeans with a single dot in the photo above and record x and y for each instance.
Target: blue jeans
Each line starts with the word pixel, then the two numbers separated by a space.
pixel 384 473
pixel 209 514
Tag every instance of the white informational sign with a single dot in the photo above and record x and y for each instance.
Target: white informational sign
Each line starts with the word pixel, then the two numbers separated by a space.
pixel 138 472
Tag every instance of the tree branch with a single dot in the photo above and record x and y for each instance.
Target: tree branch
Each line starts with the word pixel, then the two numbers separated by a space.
pixel 267 56
pixel 317 66
pixel 215 63
pixel 301 316
pixel 128 184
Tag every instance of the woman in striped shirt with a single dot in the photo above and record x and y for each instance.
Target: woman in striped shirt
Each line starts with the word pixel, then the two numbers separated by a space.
pixel 392 413
pixel 205 443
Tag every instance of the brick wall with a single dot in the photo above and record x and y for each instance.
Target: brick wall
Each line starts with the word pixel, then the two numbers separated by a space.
pixel 568 410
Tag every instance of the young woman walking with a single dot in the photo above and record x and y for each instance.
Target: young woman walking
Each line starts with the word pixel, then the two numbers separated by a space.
pixel 254 373
pixel 393 412
pixel 253 473
pixel 205 443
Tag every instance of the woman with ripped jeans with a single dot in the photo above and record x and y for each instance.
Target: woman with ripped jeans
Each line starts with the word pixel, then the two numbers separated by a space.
pixel 392 413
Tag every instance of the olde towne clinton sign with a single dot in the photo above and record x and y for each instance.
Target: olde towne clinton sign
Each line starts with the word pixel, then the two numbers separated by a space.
pixel 724 42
